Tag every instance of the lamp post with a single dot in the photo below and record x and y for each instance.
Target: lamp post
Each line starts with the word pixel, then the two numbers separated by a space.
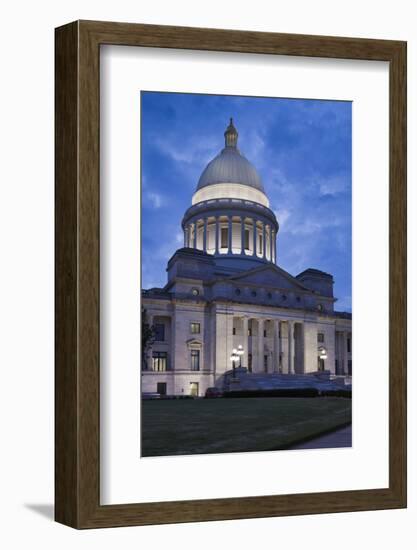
pixel 233 358
pixel 322 354
pixel 240 352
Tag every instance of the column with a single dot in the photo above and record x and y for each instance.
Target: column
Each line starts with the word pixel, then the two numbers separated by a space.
pixel 275 249
pixel 205 235
pixel 229 340
pixel 230 235
pixel 344 353
pixel 264 241
pixel 194 225
pixel 216 246
pixel 149 350
pixel 260 345
pixel 242 235
pixel 277 350
pixel 290 347
pixel 245 360
pixel 271 244
pixel 185 237
pixel 254 236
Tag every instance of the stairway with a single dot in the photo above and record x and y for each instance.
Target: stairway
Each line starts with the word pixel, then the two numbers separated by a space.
pixel 244 380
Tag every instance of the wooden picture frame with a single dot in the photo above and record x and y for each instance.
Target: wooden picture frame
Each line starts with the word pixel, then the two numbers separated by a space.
pixel 77 405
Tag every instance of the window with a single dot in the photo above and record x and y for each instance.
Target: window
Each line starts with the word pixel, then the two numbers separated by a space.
pixel 237 292
pixel 320 337
pixel 195 292
pixel 159 332
pixel 195 328
pixel 249 332
pixel 253 293
pixel 195 359
pixel 250 362
pixel 159 361
pixel 269 295
pixel 260 249
pixel 265 363
pixel 350 367
pixel 223 234
pixel 234 331
pixel 348 345
pixel 264 333
pixel 246 239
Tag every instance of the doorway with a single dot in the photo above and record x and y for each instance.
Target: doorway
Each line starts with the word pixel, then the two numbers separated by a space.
pixel 161 388
pixel 194 389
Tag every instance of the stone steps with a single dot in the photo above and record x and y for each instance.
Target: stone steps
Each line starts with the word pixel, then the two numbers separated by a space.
pixel 261 381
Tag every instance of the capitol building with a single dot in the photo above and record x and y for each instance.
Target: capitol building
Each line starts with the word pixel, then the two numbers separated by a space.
pixel 226 292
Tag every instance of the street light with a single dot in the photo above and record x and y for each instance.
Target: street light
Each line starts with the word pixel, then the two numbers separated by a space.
pixel 233 358
pixel 240 352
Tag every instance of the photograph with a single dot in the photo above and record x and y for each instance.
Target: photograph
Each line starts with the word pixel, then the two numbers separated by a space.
pixel 246 307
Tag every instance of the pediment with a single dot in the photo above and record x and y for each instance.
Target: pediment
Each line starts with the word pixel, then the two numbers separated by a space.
pixel 269 276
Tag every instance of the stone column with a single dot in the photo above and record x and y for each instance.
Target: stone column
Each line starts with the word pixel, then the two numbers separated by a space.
pixel 275 249
pixel 254 236
pixel 242 235
pixel 229 338
pixel 245 361
pixel 264 241
pixel 195 235
pixel 217 225
pixel 271 245
pixel 290 347
pixel 277 346
pixel 344 352
pixel 260 345
pixel 230 235
pixel 205 235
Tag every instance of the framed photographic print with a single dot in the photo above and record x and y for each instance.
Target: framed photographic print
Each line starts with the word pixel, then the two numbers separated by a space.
pixel 230 274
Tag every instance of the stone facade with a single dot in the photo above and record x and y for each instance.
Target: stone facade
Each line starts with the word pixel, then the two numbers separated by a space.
pixel 225 290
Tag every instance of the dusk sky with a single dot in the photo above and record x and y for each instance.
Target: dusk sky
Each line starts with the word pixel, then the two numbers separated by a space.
pixel 302 150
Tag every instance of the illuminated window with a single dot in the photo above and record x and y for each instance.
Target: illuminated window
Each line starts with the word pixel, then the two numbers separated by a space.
pixel 195 359
pixel 260 247
pixel 195 328
pixel 159 361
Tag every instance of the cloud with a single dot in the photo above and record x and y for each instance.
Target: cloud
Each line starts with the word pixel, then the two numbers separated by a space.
pixel 153 200
pixel 333 185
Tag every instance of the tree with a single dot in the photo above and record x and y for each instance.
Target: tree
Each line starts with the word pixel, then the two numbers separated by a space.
pixel 148 336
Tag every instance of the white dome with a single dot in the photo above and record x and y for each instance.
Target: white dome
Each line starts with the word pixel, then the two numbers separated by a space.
pixel 230 166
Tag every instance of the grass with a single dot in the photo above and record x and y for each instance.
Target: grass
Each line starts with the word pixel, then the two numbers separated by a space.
pixel 200 426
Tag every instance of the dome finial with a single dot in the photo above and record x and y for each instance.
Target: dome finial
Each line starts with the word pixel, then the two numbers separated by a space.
pixel 231 135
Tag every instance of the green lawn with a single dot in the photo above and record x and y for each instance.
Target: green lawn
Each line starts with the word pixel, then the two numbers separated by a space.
pixel 177 427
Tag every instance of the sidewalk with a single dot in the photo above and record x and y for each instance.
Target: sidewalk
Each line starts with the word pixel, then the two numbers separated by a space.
pixel 339 438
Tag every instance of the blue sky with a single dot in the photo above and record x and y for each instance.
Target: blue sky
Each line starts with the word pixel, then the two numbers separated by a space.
pixel 302 151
